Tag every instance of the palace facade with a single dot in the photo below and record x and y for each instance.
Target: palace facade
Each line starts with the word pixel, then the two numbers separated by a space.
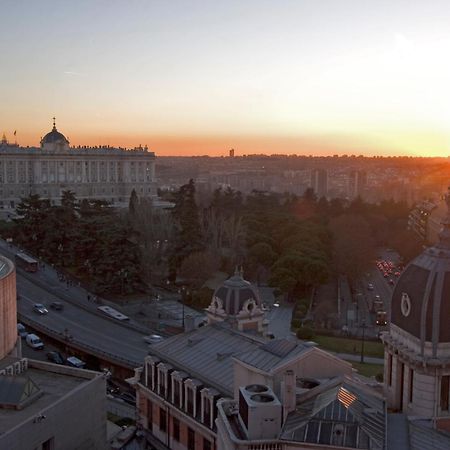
pixel 103 173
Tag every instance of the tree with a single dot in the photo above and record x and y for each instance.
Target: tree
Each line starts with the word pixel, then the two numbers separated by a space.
pixel 133 204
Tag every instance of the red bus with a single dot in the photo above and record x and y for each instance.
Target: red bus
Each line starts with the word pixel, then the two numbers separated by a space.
pixel 26 262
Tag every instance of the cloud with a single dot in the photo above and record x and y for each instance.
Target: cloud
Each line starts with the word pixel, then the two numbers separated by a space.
pixel 74 74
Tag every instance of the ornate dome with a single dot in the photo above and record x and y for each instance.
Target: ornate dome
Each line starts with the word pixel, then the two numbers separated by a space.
pixel 54 137
pixel 236 294
pixel 421 298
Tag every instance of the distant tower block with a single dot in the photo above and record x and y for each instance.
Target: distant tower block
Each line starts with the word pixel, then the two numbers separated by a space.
pixel 232 153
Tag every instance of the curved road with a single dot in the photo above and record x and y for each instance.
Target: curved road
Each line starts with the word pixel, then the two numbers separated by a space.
pixel 83 323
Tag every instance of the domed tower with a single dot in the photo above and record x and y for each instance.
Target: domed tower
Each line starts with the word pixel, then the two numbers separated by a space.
pixel 417 346
pixel 54 141
pixel 237 301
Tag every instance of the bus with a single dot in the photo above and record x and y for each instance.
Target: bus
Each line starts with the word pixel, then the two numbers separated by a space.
pixel 26 262
pixel 381 320
pixel 111 312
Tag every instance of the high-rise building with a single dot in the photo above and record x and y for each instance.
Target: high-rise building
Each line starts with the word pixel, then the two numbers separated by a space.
pixel 103 173
pixel 357 183
pixel 319 182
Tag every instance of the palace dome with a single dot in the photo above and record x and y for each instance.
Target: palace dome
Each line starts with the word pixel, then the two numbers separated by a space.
pixel 54 137
pixel 421 299
pixel 235 293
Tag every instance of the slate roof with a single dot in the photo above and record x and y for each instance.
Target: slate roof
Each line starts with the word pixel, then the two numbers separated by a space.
pixel 207 353
pixel 273 354
pixel 425 438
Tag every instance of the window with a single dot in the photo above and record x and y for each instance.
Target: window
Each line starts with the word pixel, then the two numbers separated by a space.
pixel 162 384
pixel 48 444
pixel 176 392
pixel 206 411
pixel 162 420
pixel 206 444
pixel 149 413
pixel 411 385
pixel 176 429
pixel 190 402
pixel 191 439
pixel 445 381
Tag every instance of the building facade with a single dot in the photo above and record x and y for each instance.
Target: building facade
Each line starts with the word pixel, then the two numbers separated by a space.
pixel 104 173
pixel 184 377
pixel 417 347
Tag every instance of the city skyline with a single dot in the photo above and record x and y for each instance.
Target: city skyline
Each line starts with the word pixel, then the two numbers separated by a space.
pixel 186 79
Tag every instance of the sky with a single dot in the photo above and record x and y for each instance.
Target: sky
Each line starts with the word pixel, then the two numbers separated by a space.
pixel 200 77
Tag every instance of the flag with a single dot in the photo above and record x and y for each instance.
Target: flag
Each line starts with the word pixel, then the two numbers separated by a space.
pixel 15 132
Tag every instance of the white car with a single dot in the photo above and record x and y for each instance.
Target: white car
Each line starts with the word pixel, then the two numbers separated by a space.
pixel 40 308
pixel 34 341
pixel 153 339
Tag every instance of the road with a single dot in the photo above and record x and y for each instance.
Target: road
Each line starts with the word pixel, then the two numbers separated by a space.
pixel 81 321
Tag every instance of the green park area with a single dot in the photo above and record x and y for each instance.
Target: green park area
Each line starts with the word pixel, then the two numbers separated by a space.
pixel 350 346
pixel 369 370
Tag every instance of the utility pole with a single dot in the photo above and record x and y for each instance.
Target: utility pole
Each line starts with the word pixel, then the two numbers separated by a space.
pixel 363 325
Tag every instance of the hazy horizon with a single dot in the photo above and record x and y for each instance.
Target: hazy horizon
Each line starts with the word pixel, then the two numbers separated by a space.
pixel 193 78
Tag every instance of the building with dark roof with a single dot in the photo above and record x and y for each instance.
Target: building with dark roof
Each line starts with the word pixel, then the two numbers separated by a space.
pixel 417 346
pixel 102 172
pixel 184 376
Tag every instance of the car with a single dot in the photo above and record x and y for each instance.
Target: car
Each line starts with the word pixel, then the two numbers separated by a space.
pixel 57 306
pixel 153 339
pixel 34 341
pixel 128 398
pixel 55 357
pixel 276 305
pixel 21 331
pixel 370 287
pixel 75 362
pixel 40 308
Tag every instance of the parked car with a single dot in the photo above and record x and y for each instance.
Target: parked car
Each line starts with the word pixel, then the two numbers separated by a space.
pixel 55 357
pixel 34 341
pixel 153 339
pixel 370 287
pixel 57 306
pixel 75 362
pixel 128 398
pixel 22 331
pixel 40 308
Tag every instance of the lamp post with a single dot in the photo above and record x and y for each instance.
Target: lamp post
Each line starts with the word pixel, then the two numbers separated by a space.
pixel 363 326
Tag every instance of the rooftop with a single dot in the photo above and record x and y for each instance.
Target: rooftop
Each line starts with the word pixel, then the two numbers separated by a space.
pixel 207 353
pixel 54 382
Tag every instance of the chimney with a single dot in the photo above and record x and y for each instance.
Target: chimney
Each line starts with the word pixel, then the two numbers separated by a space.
pixel 189 323
pixel 289 394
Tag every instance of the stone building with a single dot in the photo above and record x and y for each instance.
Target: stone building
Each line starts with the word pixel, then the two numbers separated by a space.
pixel 417 347
pixel 104 172
pixel 184 376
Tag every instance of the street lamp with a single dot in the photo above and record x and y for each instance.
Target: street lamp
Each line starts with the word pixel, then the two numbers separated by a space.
pixel 363 326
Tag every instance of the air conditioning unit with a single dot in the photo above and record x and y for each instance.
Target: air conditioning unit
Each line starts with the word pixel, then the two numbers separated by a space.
pixel 259 412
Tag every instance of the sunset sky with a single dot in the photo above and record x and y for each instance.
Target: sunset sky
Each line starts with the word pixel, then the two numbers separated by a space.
pixel 200 77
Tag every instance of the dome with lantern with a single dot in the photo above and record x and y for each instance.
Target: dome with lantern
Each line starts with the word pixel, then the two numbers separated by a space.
pixel 238 302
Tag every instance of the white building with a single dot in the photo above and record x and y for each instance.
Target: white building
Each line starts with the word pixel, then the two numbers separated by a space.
pixel 104 173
